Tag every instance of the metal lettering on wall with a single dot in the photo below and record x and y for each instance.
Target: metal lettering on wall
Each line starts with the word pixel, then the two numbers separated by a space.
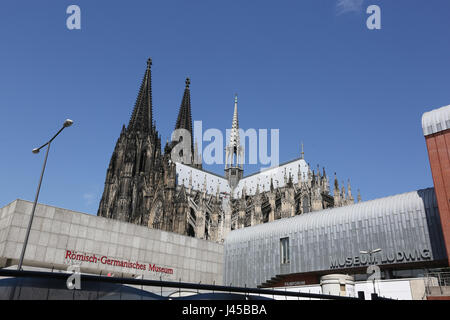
pixel 382 258
pixel 83 257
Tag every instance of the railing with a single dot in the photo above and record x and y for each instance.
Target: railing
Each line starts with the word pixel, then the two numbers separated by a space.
pixel 98 281
pixel 437 283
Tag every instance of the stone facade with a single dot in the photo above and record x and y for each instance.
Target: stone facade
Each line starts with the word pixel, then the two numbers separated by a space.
pixel 123 249
pixel 144 186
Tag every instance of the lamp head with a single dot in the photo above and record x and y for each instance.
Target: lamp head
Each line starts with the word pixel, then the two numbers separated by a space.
pixel 35 150
pixel 68 123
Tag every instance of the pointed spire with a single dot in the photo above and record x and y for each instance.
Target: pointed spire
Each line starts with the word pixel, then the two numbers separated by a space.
pixel 142 116
pixel 302 153
pixel 184 119
pixel 309 176
pixel 195 154
pixel 325 182
pixel 190 180
pixel 218 189
pixel 349 190
pixel 234 135
pixel 299 175
pixel 234 150
pixel 359 196
pixel 336 183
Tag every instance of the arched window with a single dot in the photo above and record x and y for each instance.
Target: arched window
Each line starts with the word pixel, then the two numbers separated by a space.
pixel 142 161
pixel 157 215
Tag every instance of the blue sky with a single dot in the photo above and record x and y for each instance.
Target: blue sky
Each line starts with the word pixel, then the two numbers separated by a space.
pixel 309 68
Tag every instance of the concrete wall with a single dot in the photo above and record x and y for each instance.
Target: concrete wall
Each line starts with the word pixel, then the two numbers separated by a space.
pixel 56 230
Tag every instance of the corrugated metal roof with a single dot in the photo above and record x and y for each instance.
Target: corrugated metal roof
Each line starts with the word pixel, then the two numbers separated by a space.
pixel 410 201
pixel 436 120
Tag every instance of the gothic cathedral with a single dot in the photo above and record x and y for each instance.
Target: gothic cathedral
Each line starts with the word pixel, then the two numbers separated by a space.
pixel 144 186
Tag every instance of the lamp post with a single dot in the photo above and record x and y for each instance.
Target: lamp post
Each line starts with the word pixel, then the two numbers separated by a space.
pixel 370 253
pixel 66 124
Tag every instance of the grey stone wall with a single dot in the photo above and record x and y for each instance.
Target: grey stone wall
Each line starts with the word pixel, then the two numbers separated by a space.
pixel 56 230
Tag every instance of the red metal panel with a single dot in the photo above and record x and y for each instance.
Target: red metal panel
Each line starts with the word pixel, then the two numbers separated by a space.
pixel 438 145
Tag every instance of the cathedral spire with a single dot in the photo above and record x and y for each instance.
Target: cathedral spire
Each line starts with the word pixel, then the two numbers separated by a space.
pixel 184 119
pixel 325 182
pixel 349 191
pixel 142 116
pixel 343 194
pixel 234 136
pixel 234 152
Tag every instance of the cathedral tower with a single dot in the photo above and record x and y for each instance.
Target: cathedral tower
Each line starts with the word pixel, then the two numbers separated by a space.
pixel 131 173
pixel 184 121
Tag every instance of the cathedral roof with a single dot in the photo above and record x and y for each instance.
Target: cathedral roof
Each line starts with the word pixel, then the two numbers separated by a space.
pixel 279 175
pixel 187 175
pixel 190 176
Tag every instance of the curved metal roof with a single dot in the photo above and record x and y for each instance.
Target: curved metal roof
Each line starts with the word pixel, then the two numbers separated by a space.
pixel 409 201
pixel 436 120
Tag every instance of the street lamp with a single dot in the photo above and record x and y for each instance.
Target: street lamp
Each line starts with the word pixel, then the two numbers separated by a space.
pixel 370 253
pixel 66 124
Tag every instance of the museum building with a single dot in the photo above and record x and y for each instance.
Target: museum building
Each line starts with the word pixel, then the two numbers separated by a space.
pixel 60 238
